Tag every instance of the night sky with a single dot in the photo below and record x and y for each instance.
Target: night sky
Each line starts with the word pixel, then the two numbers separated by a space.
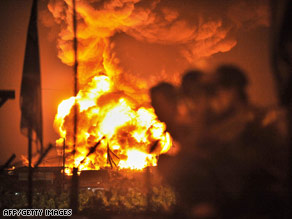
pixel 143 54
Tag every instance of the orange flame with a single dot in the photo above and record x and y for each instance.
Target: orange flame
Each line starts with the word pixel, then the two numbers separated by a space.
pixel 108 109
pixel 129 128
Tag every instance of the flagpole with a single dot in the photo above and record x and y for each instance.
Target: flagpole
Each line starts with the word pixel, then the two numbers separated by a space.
pixel 30 181
pixel 30 95
pixel 75 75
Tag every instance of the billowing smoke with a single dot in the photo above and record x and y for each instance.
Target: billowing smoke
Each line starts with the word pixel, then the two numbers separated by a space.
pixel 190 31
pixel 124 47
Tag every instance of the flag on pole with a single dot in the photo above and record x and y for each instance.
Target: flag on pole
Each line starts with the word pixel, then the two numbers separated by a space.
pixel 30 96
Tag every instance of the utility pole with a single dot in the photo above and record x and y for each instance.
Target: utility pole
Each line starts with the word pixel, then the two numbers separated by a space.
pixel 74 184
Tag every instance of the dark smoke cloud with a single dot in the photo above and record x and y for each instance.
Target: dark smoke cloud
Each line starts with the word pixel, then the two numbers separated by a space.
pixel 197 29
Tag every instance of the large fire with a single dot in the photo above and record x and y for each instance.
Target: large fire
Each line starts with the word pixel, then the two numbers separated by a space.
pixel 125 127
pixel 110 111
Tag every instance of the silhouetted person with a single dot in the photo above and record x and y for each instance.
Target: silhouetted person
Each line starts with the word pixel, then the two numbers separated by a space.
pixel 246 153
pixel 192 106
pixel 230 93
pixel 233 167
pixel 164 101
pixel 182 171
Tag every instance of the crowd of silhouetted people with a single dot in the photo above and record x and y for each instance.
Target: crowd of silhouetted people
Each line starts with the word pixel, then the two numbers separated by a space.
pixel 232 157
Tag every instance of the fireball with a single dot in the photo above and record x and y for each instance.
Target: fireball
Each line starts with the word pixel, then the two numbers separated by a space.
pixel 112 114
